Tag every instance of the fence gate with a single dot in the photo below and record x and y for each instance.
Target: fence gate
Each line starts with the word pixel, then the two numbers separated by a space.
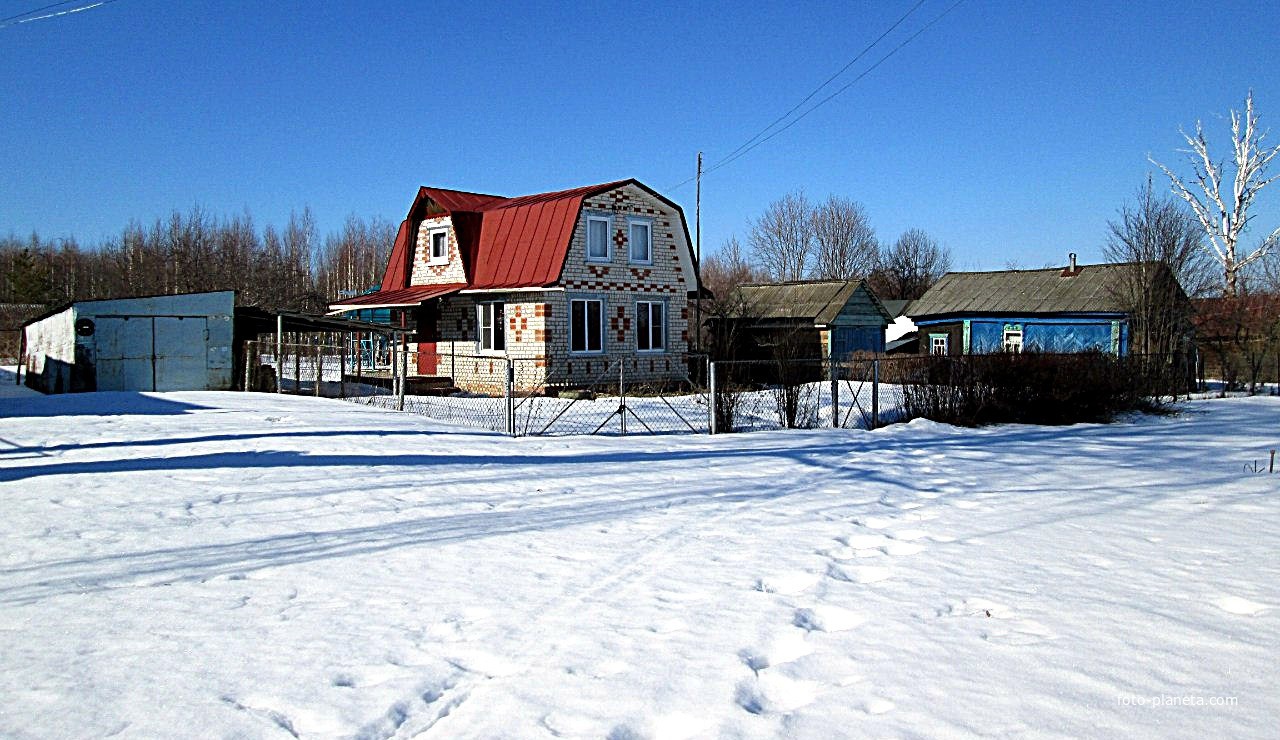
pixel 616 401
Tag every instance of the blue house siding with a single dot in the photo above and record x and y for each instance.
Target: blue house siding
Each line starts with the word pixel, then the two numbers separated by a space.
pixel 845 340
pixel 985 334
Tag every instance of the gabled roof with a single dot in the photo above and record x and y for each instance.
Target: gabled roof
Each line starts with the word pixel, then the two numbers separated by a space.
pixel 814 301
pixel 1090 289
pixel 504 242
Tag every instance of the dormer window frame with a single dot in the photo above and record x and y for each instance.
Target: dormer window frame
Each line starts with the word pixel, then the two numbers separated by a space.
pixel 432 257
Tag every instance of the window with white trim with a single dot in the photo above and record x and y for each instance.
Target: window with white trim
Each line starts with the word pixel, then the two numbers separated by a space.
pixel 586 325
pixel 491 320
pixel 939 344
pixel 597 239
pixel 439 246
pixel 640 242
pixel 1012 340
pixel 651 327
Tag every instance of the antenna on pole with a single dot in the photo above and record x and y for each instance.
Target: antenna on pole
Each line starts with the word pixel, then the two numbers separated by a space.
pixel 697 262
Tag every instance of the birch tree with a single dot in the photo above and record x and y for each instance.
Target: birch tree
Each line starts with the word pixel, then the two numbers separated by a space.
pixel 1222 192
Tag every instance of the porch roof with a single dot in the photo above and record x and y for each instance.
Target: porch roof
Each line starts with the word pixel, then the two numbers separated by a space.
pixel 398 297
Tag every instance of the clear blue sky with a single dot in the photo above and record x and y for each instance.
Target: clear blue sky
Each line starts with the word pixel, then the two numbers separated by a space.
pixel 1011 131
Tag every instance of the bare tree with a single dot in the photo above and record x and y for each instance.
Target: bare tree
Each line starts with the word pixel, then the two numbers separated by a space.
pixel 910 267
pixel 1225 216
pixel 844 243
pixel 1163 248
pixel 782 238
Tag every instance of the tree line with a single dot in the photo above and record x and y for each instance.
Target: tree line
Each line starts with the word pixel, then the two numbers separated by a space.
pixel 796 239
pixel 289 268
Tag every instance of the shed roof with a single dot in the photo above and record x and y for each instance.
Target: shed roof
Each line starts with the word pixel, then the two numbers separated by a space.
pixel 816 301
pixel 1090 289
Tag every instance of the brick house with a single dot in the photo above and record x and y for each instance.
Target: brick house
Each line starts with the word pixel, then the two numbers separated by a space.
pixel 567 286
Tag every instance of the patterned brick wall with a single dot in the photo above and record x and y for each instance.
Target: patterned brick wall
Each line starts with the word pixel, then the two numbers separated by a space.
pixel 459 356
pixel 620 283
pixel 538 322
pixel 425 273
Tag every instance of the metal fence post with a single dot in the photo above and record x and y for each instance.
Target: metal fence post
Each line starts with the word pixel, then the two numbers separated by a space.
pixel 510 388
pixel 622 397
pixel 875 394
pixel 711 401
pixel 319 368
pixel 835 395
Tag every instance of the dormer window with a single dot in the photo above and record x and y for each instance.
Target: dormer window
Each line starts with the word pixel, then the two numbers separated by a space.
pixel 439 246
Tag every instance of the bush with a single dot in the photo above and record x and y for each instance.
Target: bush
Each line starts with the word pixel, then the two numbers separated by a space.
pixel 1036 388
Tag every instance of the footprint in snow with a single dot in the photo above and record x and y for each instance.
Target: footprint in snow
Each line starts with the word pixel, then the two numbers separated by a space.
pixel 858 573
pixel 827 618
pixel 774 694
pixel 787 583
pixel 783 647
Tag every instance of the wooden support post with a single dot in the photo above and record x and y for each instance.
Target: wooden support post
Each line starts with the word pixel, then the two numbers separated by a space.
pixel 248 351
pixel 404 368
pixel 835 394
pixel 712 400
pixel 279 354
pixel 342 367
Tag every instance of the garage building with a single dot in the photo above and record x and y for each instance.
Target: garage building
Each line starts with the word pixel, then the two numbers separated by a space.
pixel 154 343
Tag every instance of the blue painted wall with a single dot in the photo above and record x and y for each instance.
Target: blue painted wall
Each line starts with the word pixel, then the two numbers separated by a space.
pixel 846 340
pixel 1042 334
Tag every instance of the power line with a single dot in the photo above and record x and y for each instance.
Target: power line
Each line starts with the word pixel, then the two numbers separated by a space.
pixel 27 17
pixel 37 10
pixel 751 144
pixel 828 81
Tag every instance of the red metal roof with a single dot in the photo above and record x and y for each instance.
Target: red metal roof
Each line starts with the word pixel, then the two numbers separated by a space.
pixel 505 242
pixel 398 297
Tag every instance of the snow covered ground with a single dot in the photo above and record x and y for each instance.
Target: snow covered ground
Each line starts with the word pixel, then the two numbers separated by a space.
pixel 244 565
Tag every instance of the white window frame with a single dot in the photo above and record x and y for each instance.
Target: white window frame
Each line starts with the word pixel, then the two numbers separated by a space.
pixel 647 310
pixel 608 238
pixel 432 259
pixel 493 330
pixel 587 349
pixel 940 342
pixel 1009 344
pixel 648 227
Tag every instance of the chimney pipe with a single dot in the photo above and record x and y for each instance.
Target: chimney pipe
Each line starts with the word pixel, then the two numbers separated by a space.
pixel 1072 257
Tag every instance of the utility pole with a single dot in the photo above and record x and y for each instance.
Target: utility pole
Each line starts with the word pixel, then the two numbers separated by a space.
pixel 697 264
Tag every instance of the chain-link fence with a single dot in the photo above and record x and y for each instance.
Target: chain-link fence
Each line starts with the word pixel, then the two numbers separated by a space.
pixel 621 396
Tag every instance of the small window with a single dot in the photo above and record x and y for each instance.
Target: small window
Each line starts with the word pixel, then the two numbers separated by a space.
pixel 586 325
pixel 651 327
pixel 1012 340
pixel 439 246
pixel 490 317
pixel 597 239
pixel 939 344
pixel 640 241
